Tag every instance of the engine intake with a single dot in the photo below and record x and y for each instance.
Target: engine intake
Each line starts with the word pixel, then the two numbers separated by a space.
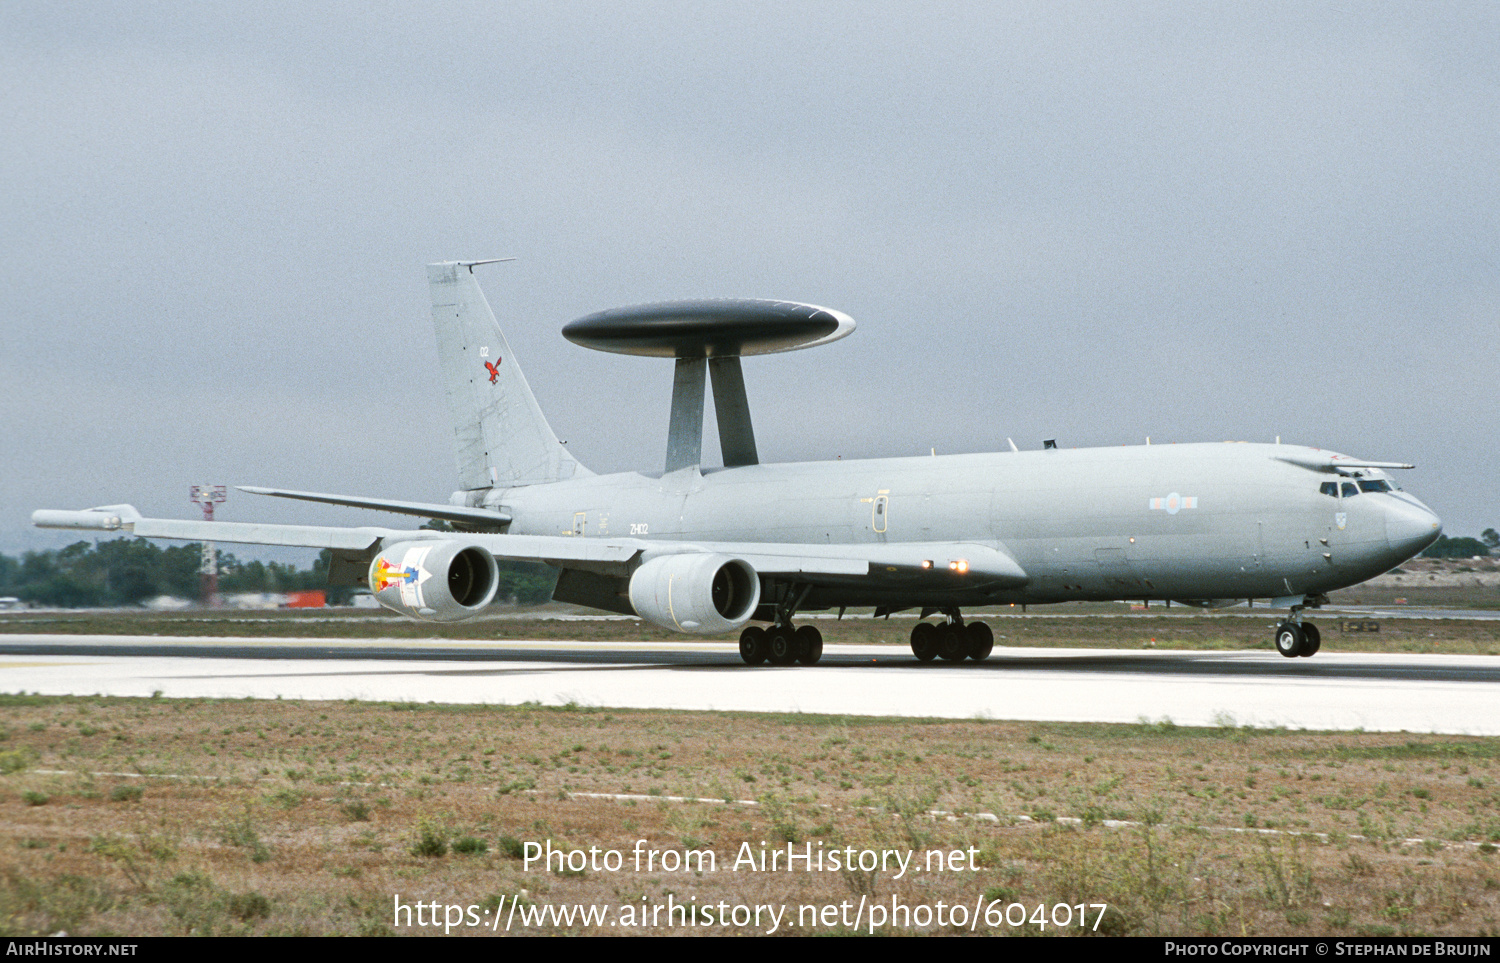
pixel 695 593
pixel 435 581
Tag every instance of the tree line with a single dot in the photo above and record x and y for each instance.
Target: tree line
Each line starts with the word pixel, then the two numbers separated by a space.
pixel 1445 547
pixel 130 571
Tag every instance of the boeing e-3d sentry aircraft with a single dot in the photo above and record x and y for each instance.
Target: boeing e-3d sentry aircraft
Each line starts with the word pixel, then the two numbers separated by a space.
pixel 709 551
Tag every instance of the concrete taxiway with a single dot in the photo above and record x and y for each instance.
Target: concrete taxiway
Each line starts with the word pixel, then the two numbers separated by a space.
pixel 1376 692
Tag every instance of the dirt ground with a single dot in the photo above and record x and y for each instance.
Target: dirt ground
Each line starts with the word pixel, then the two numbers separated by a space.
pixel 141 817
pixel 154 816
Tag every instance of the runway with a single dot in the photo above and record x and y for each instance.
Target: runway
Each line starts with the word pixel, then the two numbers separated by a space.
pixel 1344 691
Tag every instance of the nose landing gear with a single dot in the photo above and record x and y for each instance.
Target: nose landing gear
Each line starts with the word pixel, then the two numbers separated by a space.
pixel 1289 639
pixel 1296 638
pixel 1312 640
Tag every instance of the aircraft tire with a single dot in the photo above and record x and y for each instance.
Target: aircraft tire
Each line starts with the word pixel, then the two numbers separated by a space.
pixel 1289 639
pixel 809 645
pixel 753 645
pixel 980 639
pixel 924 641
pixel 781 646
pixel 953 644
pixel 1312 640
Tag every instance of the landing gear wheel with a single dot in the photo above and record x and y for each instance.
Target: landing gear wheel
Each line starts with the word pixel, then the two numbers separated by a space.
pixel 980 639
pixel 753 645
pixel 1289 639
pixel 809 645
pixel 1312 640
pixel 953 643
pixel 781 646
pixel 924 641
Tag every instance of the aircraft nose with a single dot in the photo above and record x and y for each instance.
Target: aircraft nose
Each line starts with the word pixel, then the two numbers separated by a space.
pixel 1410 526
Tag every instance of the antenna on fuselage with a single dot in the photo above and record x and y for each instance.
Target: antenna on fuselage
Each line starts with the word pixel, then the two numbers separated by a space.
pixel 707 338
pixel 471 265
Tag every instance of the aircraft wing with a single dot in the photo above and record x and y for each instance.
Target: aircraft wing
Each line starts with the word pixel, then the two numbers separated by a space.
pixel 449 513
pixel 980 564
pixel 124 518
pixel 560 549
pixel 977 563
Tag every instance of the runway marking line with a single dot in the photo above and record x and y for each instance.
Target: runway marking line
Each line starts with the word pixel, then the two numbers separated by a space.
pixel 1022 819
pixel 1018 819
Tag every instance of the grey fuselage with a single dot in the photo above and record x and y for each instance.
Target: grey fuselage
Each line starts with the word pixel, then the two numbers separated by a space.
pixel 1194 522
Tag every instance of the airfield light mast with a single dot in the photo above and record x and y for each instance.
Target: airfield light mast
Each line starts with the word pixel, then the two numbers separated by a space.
pixel 207 496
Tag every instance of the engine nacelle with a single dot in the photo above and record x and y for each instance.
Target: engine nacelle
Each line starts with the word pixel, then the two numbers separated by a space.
pixel 700 594
pixel 435 581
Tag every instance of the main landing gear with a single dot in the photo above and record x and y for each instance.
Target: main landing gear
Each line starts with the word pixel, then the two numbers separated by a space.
pixel 781 645
pixel 1295 637
pixel 953 640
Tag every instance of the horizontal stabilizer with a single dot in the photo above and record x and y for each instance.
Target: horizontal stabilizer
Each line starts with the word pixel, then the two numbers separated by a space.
pixel 448 513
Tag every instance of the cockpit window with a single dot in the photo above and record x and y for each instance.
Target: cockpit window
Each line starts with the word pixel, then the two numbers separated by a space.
pixel 1375 485
pixel 1350 489
pixel 1331 489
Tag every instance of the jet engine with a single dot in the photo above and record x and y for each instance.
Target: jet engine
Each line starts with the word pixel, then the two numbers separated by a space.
pixel 695 593
pixel 435 581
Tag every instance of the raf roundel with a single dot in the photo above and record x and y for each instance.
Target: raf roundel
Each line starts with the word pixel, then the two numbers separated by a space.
pixel 712 328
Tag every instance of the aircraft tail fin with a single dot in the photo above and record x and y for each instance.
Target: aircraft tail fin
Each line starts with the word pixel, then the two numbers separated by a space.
pixel 501 438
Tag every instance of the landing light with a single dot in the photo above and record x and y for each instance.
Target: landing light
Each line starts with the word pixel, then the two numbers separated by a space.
pixel 959 565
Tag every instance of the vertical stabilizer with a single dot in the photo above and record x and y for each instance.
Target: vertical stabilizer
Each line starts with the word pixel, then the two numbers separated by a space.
pixel 499 434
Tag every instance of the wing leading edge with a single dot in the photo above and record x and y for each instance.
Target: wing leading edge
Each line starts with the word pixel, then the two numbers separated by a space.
pixel 978 564
pixel 448 513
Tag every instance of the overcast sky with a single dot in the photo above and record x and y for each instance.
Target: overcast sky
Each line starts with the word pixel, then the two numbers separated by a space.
pixel 1094 222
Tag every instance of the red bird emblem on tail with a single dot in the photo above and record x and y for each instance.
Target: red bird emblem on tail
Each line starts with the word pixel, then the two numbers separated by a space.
pixel 494 369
